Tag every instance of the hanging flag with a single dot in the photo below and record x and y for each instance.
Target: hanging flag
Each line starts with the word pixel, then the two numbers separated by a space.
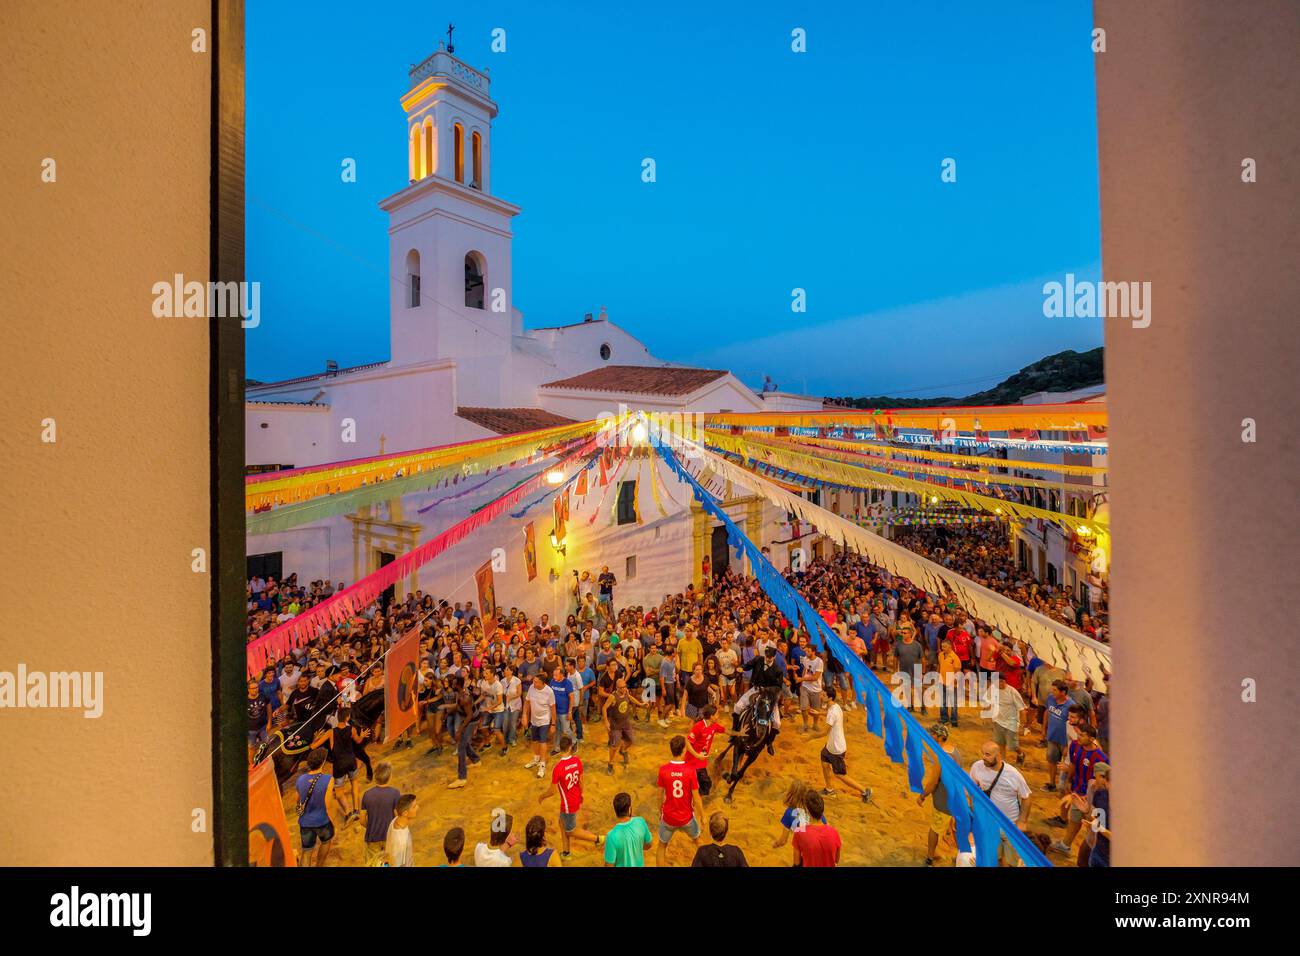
pixel 487 598
pixel 604 477
pixel 530 550
pixel 268 831
pixel 566 505
pixel 401 684
pixel 558 508
pixel 582 483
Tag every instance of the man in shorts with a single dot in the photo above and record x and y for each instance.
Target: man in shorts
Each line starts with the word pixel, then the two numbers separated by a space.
pixel 932 786
pixel 618 713
pixel 832 757
pixel 667 687
pixel 681 808
pixel 539 714
pixel 315 828
pixel 566 780
pixel 810 686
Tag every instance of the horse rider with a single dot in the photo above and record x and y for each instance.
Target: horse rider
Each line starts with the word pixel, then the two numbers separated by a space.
pixel 766 674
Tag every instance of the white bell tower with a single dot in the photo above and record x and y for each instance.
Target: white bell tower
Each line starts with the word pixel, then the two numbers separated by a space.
pixel 449 237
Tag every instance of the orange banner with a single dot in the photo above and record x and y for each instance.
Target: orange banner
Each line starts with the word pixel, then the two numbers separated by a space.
pixel 530 550
pixel 401 685
pixel 582 483
pixel 268 831
pixel 487 598
pixel 558 507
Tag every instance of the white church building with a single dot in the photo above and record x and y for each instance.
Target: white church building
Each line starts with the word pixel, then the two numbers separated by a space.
pixel 463 366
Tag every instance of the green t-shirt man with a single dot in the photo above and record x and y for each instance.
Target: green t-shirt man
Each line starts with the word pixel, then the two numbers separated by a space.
pixel 625 845
pixel 651 664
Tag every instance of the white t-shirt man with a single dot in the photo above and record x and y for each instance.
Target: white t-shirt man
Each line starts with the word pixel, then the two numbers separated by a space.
pixel 1010 704
pixel 492 690
pixel 399 846
pixel 485 855
pixel 541 704
pixel 835 742
pixel 813 666
pixel 1009 790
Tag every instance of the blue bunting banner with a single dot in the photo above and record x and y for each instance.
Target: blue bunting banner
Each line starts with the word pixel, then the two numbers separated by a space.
pixel 990 824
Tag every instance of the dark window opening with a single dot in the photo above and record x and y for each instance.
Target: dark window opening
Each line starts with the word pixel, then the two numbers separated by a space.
pixel 269 565
pixel 626 513
pixel 473 282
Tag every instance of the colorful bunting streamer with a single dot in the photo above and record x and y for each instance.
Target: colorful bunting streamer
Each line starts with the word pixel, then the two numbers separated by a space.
pixel 345 604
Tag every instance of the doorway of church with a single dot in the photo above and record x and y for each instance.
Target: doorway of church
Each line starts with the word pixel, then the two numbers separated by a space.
pixel 268 565
pixel 719 553
pixel 385 559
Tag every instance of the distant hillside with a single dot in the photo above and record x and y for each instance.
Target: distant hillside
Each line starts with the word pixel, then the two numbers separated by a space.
pixel 1062 372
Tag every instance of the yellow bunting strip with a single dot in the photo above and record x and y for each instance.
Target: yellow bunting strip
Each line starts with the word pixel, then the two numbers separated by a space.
pixel 1072 416
pixel 474 457
pixel 893 451
pixel 856 477
pixel 864 459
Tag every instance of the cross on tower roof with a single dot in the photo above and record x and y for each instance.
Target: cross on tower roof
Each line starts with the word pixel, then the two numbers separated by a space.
pixel 450 47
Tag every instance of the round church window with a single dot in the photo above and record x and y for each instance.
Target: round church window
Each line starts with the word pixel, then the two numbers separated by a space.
pixel 605 351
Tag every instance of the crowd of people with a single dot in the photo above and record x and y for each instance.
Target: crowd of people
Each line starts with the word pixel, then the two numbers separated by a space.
pixel 982 553
pixel 560 689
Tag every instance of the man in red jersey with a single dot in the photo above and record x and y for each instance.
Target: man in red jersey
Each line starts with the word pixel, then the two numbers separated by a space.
pixel 698 743
pixel 817 844
pixel 566 780
pixel 681 808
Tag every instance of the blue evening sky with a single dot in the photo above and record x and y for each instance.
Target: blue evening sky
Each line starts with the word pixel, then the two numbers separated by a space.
pixel 776 170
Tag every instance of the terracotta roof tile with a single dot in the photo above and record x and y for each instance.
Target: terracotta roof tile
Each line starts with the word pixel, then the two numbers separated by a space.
pixel 508 421
pixel 641 379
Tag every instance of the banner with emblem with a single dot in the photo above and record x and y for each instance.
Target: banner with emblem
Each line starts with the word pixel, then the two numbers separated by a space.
pixel 558 508
pixel 401 685
pixel 268 831
pixel 487 598
pixel 530 550
pixel 582 483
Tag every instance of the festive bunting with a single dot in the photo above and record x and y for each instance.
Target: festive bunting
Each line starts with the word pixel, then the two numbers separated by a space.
pixel 279 488
pixel 1059 417
pixel 895 464
pixel 821 469
pixel 1080 656
pixel 345 604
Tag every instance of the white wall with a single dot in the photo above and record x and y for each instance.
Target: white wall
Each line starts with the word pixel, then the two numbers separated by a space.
pixel 293 435
pixel 662 545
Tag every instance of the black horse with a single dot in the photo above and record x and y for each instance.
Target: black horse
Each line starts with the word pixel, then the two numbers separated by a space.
pixel 289 745
pixel 286 747
pixel 757 732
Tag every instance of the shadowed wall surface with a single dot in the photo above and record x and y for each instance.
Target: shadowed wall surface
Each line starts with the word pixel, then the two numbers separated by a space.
pixel 1205 525
pixel 101 524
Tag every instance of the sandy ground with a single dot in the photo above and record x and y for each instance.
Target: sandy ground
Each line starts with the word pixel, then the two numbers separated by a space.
pixel 888 831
